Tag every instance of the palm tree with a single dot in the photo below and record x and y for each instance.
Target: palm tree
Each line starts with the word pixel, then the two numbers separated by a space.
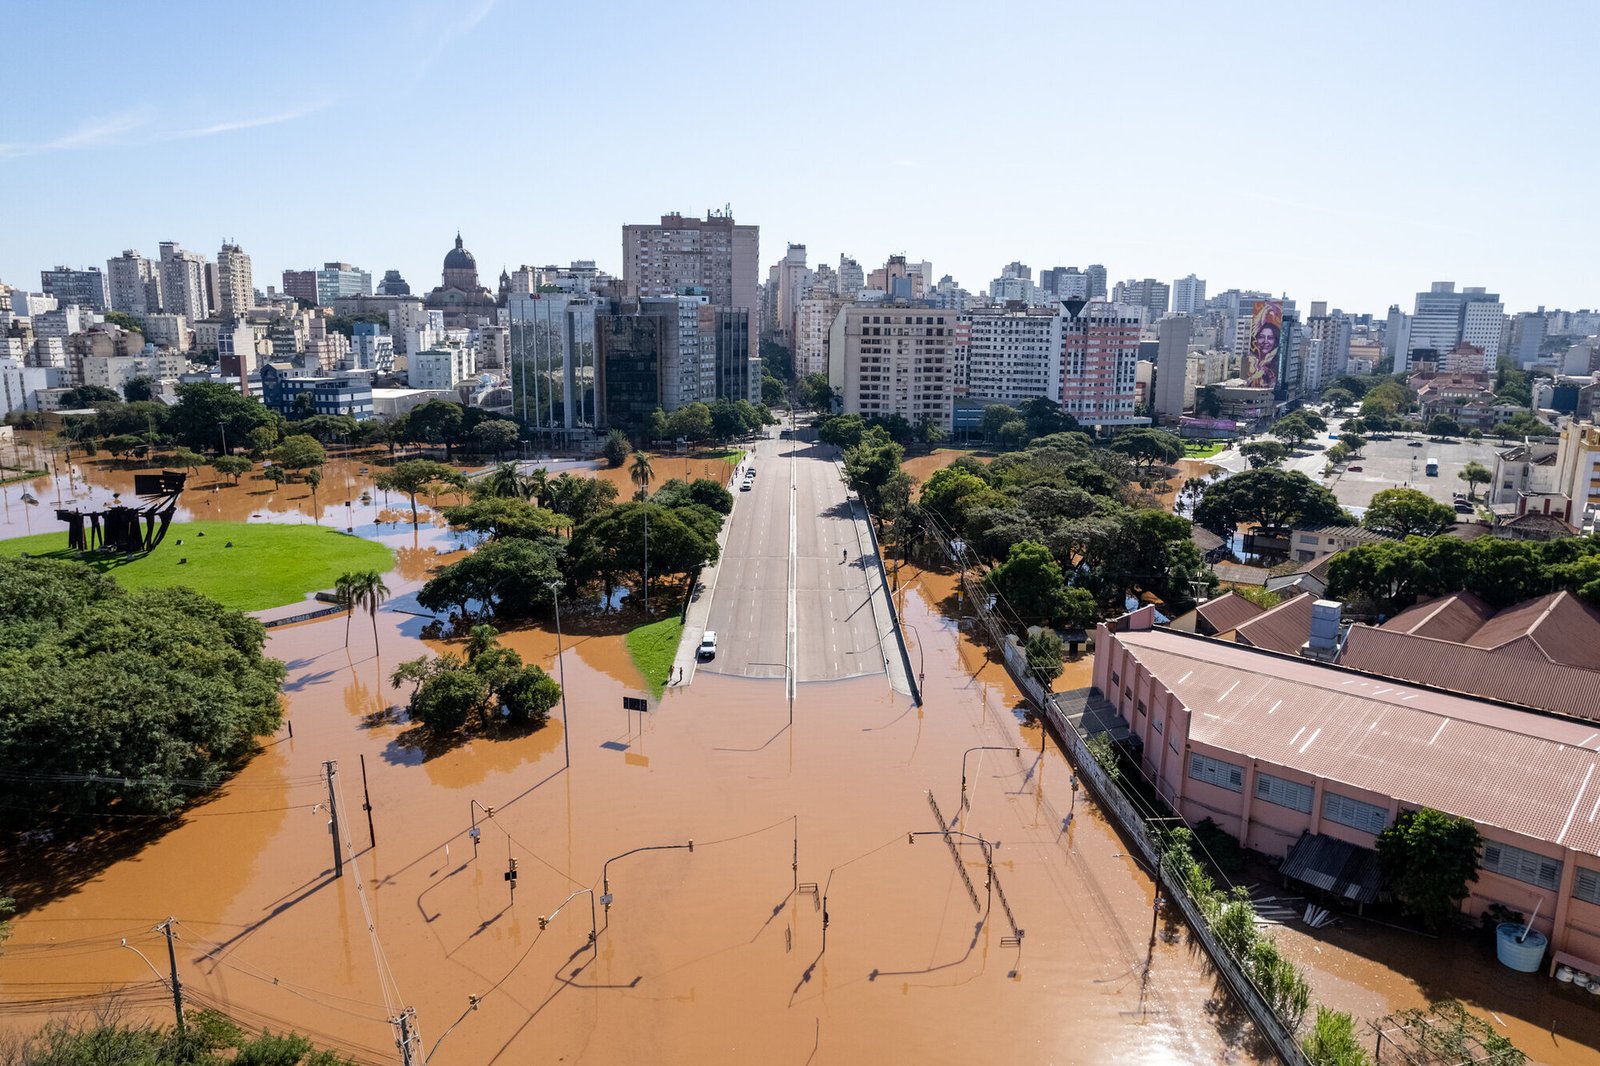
pixel 504 481
pixel 314 478
pixel 641 471
pixel 365 588
pixel 537 485
pixel 343 591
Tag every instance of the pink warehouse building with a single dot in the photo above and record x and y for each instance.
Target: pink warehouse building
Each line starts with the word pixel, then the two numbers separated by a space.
pixel 1274 746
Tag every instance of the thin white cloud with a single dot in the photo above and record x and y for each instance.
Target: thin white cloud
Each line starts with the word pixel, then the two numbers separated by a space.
pixel 117 129
pixel 91 133
pixel 246 123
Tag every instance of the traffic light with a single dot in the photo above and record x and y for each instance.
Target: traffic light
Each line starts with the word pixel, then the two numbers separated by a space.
pixel 511 873
pixel 543 921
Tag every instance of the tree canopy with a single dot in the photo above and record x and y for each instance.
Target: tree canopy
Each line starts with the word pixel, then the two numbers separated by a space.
pixel 1268 498
pixel 505 578
pixel 154 695
pixel 1393 575
pixel 193 420
pixel 1407 512
pixel 1427 858
pixel 413 476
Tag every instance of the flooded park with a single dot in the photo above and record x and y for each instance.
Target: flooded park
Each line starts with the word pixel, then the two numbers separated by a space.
pixel 724 877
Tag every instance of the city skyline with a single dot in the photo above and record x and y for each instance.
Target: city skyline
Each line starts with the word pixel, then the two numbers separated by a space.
pixel 1355 163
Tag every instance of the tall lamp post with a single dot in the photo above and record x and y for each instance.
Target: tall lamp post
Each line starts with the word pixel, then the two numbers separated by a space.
pixel 223 428
pixel 561 670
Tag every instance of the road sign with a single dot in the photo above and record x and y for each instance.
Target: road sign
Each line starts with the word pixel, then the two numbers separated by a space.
pixel 635 703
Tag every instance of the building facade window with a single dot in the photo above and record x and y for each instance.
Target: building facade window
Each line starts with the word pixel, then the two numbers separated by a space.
pixel 1520 865
pixel 1216 772
pixel 1586 885
pixel 1283 792
pixel 1356 814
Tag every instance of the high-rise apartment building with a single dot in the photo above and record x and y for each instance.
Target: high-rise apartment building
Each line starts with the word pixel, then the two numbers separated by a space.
pixel 1527 337
pixel 301 285
pixel 896 359
pixel 1100 353
pixel 1013 355
pixel 1065 283
pixel 1173 334
pixel 813 329
pixel 341 279
pixel 851 277
pixel 1188 295
pixel 134 284
pixel 1484 325
pixel 794 283
pixel 1097 281
pixel 85 288
pixel 713 256
pixel 183 283
pixel 1325 349
pixel 1015 284
pixel 236 294
pixel 1440 321
pixel 1150 294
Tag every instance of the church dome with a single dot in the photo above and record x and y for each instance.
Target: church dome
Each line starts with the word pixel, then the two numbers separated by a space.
pixel 458 258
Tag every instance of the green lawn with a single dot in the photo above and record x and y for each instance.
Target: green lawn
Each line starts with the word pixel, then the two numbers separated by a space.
pixel 268 565
pixel 653 648
pixel 1203 449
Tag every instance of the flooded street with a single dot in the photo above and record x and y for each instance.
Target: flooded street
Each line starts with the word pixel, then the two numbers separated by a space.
pixel 819 916
pixel 710 954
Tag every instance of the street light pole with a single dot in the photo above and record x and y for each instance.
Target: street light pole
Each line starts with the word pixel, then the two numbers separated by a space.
pixel 223 427
pixel 561 670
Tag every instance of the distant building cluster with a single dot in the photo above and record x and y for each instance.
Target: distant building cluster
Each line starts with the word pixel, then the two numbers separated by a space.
pixel 572 351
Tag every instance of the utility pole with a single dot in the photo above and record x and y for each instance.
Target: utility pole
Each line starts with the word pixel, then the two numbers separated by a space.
pixel 408 1037
pixel 366 798
pixel 172 961
pixel 333 820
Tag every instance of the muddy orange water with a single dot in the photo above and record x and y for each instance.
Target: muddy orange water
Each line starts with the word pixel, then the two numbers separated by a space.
pixel 922 467
pixel 710 955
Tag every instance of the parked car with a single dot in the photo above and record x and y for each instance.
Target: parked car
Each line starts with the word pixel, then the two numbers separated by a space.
pixel 744 486
pixel 1354 466
pixel 708 646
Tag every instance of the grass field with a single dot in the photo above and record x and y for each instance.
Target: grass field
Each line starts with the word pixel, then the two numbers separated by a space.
pixel 653 648
pixel 1203 449
pixel 267 565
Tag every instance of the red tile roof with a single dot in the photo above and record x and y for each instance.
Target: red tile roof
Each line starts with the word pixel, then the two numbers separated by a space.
pixel 1424 748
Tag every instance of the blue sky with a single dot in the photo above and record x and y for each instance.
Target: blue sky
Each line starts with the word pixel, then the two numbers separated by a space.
pixel 1349 152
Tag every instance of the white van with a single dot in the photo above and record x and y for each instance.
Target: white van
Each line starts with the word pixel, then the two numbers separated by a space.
pixel 708 646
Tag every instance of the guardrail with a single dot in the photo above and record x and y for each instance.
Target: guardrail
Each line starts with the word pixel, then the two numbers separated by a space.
pixel 1133 827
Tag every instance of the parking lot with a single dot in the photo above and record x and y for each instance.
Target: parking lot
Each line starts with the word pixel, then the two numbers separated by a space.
pixel 1400 463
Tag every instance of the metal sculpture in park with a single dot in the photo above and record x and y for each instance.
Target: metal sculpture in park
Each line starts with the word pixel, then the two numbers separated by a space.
pixel 121 528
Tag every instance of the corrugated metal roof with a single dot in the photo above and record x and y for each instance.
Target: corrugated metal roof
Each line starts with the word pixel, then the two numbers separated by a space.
pixel 1284 628
pixel 1453 617
pixel 1227 611
pixel 1240 574
pixel 1516 673
pixel 1335 866
pixel 1521 772
pixel 1564 628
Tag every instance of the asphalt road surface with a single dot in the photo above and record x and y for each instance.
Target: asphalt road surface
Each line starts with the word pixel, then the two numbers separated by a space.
pixel 791 586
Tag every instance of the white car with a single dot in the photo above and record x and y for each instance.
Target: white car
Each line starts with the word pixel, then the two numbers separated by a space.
pixel 708 646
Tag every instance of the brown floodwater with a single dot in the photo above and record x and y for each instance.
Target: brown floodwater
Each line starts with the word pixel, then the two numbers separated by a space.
pixel 710 955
